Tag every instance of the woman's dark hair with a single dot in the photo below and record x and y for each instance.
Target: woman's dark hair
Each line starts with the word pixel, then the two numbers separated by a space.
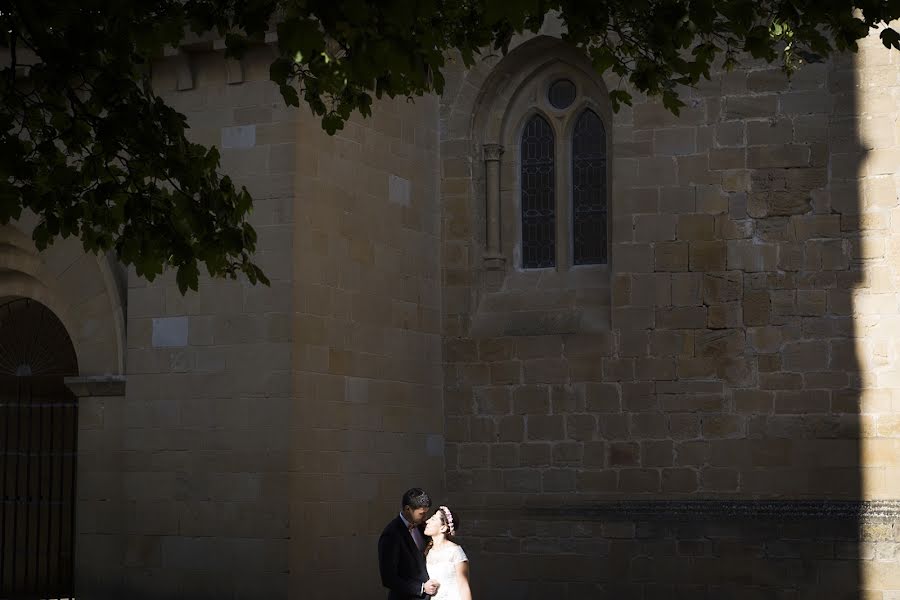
pixel 416 498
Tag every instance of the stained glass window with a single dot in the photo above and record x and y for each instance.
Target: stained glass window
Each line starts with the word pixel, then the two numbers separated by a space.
pixel 589 190
pixel 538 197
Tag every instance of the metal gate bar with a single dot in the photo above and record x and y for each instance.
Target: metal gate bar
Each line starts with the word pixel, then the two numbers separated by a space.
pixel 38 425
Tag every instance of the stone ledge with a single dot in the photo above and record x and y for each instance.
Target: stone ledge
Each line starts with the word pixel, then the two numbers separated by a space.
pixel 702 510
pixel 516 323
pixel 99 385
pixel 685 510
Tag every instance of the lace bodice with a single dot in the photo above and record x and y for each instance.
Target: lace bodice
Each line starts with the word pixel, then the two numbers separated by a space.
pixel 442 564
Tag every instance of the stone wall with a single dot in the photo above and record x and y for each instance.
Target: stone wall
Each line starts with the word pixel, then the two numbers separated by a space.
pixel 267 433
pixel 751 550
pixel 198 452
pixel 367 354
pixel 750 351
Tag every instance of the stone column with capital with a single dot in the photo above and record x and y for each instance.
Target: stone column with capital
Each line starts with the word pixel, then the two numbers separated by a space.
pixel 493 256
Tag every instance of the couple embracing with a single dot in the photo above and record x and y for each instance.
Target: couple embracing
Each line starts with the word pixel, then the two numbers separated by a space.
pixel 418 558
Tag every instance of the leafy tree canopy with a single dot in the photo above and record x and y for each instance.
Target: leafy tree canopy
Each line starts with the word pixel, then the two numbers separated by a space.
pixel 90 147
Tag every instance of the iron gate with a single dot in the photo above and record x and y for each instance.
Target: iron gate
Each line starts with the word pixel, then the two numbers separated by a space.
pixel 38 426
pixel 38 431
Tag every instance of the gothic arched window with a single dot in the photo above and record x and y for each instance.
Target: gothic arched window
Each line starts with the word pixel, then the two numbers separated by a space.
pixel 573 231
pixel 546 136
pixel 538 195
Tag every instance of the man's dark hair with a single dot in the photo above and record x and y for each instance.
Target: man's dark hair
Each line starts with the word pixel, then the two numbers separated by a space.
pixel 416 498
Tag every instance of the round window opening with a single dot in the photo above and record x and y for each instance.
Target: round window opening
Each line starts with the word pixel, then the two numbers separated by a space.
pixel 561 93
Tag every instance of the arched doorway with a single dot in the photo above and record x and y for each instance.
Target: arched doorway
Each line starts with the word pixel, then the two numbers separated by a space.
pixel 38 429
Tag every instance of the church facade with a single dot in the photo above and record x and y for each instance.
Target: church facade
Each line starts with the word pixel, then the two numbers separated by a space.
pixel 641 355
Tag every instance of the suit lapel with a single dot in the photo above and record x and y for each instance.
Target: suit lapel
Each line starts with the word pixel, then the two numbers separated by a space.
pixel 410 543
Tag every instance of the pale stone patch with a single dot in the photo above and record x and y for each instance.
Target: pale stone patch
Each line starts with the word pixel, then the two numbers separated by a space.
pixel 170 332
pixel 398 190
pixel 241 136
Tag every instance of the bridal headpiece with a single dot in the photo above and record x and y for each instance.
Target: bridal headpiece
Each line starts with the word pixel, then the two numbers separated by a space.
pixel 449 516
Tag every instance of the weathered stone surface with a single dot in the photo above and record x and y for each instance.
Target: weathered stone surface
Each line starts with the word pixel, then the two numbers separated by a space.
pixel 654 228
pixel 770 132
pixel 751 256
pixel 688 317
pixel 708 256
pixel 777 203
pixel 743 107
pixel 724 316
pixel 722 287
pixel 671 256
pixel 756 308
pixel 727 158
pixel 686 289
pixel 695 227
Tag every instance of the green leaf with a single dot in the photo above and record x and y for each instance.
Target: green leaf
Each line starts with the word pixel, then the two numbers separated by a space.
pixel 236 45
pixel 890 38
pixel 619 97
pixel 672 102
pixel 289 93
pixel 332 123
pixel 602 59
pixel 280 70
pixel 187 277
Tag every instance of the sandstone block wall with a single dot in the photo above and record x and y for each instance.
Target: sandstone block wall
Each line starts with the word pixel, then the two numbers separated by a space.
pixel 366 323
pixel 750 350
pixel 196 478
pixel 267 434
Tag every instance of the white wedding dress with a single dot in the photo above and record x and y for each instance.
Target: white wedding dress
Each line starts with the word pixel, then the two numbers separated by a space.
pixel 442 564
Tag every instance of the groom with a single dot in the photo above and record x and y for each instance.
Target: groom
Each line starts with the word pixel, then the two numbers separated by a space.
pixel 401 547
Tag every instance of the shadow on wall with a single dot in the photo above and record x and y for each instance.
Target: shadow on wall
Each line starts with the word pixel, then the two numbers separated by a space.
pixel 721 439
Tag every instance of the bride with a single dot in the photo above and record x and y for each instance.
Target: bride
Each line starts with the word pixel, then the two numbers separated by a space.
pixel 446 561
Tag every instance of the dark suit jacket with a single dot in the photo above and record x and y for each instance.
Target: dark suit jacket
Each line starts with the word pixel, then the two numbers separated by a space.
pixel 401 563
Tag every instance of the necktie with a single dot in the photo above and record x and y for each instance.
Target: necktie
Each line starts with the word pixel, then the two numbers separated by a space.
pixel 416 536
